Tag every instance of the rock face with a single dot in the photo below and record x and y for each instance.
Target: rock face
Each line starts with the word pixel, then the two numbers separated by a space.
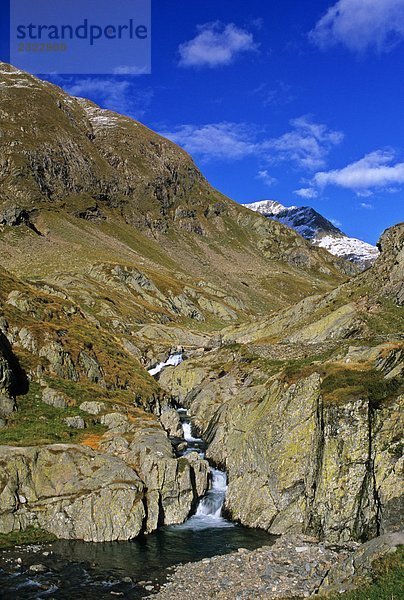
pixel 132 483
pixel 299 460
pixel 12 378
pixel 173 485
pixel 70 491
pixel 390 270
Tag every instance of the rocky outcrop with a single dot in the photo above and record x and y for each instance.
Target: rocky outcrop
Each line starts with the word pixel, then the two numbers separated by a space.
pixel 173 485
pixel 132 483
pixel 70 491
pixel 300 459
pixel 171 422
pixel 389 270
pixel 54 398
pixel 358 569
pixel 12 378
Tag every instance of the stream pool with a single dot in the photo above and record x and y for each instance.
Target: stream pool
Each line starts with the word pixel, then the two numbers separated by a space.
pixel 74 570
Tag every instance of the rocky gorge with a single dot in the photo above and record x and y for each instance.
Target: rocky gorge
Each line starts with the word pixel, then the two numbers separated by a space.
pixel 117 258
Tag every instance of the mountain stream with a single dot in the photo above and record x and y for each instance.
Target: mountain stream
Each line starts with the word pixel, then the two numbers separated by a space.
pixel 74 570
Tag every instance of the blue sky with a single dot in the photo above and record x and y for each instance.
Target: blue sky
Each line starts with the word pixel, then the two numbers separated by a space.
pixel 301 102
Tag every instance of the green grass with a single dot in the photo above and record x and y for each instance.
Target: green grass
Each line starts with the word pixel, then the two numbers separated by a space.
pixel 388 320
pixel 388 584
pixel 31 535
pixel 36 423
pixel 343 384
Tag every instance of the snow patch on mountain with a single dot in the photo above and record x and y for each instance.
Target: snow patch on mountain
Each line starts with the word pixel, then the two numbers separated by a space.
pixel 267 207
pixel 349 248
pixel 318 230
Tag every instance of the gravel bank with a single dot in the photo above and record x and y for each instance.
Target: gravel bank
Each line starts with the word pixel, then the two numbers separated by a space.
pixel 293 566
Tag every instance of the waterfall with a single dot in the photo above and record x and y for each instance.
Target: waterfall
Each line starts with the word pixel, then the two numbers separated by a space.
pixel 188 437
pixel 209 510
pixel 172 361
pixel 212 503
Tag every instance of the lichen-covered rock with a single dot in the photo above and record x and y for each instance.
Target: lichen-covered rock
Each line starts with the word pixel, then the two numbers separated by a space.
pixel 92 407
pixel 295 462
pixel 270 459
pixel 75 422
pixel 54 398
pixel 173 484
pixel 27 340
pixel 70 491
pixel 60 361
pixel 171 422
pixel 116 421
pixel 217 308
pixel 7 405
pixel 389 269
pixel 388 464
pixel 91 368
pixel 341 500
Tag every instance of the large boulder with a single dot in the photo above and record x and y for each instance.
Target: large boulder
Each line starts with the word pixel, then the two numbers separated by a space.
pixel 70 491
pixel 173 484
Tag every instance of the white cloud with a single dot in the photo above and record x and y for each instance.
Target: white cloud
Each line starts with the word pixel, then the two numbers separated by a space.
pixel 307 144
pixel 215 45
pixel 131 70
pixel 266 178
pixel 307 193
pixel 113 93
pixel 364 193
pixel 366 206
pixel 277 95
pixel 336 223
pixel 224 140
pixel 361 24
pixel 375 170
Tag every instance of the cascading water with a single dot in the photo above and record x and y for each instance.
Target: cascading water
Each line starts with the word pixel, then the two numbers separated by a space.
pixel 79 570
pixel 209 511
pixel 172 361
pixel 211 505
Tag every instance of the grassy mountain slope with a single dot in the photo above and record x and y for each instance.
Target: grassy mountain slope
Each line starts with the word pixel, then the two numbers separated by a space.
pixel 81 186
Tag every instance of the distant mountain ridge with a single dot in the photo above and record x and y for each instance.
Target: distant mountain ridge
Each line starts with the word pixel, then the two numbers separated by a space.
pixel 320 231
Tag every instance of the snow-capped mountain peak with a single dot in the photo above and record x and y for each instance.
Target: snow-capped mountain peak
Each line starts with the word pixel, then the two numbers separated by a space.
pixel 266 207
pixel 319 230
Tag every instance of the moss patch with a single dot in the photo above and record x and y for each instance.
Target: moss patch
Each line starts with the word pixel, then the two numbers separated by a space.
pixel 31 535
